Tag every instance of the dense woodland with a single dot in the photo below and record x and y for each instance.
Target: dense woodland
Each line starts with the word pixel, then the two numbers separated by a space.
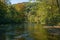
pixel 45 12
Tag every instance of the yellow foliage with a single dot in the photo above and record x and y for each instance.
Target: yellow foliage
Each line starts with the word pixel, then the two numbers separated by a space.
pixel 19 7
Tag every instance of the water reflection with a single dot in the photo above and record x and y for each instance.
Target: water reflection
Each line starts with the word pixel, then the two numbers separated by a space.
pixel 30 31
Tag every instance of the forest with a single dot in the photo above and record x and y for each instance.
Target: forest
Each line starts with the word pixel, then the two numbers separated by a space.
pixel 29 18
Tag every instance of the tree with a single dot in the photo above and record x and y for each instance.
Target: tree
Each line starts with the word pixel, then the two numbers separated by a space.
pixel 3 12
pixel 16 13
pixel 53 13
pixel 36 15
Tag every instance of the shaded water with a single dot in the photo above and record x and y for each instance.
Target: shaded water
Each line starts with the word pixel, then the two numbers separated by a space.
pixel 30 31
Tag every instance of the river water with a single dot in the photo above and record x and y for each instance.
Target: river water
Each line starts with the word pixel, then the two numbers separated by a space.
pixel 28 31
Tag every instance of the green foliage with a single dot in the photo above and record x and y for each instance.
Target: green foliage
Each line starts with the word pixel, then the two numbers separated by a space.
pixel 10 16
pixel 42 12
pixel 3 12
pixel 47 11
pixel 53 14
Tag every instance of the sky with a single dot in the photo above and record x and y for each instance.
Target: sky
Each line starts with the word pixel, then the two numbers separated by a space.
pixel 18 1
